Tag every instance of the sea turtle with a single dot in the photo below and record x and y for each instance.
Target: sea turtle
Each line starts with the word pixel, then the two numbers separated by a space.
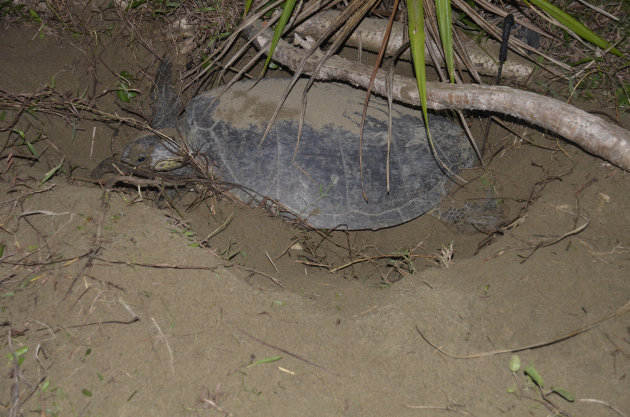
pixel 318 179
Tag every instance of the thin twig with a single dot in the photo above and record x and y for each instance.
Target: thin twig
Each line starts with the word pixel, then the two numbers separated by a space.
pixel 286 249
pixel 220 228
pixel 168 347
pixel 372 258
pixel 270 260
pixel 95 323
pixel 604 403
pixel 451 407
pixel 15 389
pixel 253 271
pixel 624 309
pixel 553 241
pixel 262 342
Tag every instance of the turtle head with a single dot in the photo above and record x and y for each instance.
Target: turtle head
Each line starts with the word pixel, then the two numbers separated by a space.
pixel 151 153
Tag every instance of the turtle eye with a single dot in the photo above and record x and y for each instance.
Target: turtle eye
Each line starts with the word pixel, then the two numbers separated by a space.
pixel 141 158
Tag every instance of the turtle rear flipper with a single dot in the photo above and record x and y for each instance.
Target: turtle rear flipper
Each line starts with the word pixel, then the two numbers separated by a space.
pixel 484 214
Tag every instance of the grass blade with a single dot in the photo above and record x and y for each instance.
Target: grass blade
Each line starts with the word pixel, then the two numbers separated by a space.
pixel 264 360
pixel 52 172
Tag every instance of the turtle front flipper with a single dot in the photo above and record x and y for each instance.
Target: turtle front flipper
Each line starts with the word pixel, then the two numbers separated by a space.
pixel 166 102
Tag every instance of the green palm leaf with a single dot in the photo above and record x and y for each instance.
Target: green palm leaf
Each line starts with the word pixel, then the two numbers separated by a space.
pixel 248 5
pixel 574 25
pixel 416 41
pixel 289 5
pixel 443 12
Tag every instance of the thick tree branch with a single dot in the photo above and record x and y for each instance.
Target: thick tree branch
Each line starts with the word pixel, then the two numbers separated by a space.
pixel 592 133
pixel 369 36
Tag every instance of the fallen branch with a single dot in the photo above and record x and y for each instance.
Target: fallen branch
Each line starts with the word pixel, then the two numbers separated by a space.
pixel 369 35
pixel 592 133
